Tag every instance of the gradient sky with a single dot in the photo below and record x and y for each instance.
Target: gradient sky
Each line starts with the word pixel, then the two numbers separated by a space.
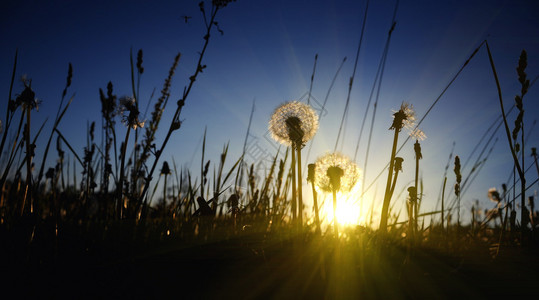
pixel 266 54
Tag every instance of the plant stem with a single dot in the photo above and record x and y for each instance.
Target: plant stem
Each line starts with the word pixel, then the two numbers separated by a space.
pixel 300 189
pixel 181 102
pixel 536 165
pixel 415 205
pixel 335 228
pixel 316 215
pixel 515 158
pixel 387 195
pixel 9 116
pixel 294 197
pixel 120 184
pixel 443 208
pixel 28 191
pixel 458 213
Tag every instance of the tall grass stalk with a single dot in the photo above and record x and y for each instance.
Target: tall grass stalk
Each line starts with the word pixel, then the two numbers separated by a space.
pixel 322 109
pixel 239 175
pixel 59 114
pixel 10 109
pixel 351 82
pixel 312 79
pixel 534 155
pixel 443 207
pixel 519 122
pixel 176 123
pixel 378 80
pixel 427 113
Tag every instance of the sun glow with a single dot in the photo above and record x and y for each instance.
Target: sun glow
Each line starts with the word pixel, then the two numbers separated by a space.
pixel 349 212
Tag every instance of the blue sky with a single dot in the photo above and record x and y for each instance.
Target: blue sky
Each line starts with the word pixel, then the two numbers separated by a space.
pixel 266 54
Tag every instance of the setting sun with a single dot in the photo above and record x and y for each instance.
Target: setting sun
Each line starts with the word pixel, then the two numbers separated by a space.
pixel 348 212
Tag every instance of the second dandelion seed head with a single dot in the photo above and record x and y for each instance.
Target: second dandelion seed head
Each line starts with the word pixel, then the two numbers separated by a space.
pixel 336 171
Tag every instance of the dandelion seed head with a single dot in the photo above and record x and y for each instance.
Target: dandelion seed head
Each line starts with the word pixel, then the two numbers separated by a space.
pixel 293 121
pixel 129 112
pixel 404 117
pixel 126 103
pixel 330 164
pixel 494 195
pixel 27 99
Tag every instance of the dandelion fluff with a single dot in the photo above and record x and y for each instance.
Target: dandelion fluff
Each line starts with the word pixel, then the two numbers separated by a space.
pixel 404 117
pixel 292 115
pixel 330 161
pixel 494 195
pixel 129 112
pixel 418 134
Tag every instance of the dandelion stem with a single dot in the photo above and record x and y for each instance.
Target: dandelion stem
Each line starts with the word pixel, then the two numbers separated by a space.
pixel 300 188
pixel 417 148
pixel 119 185
pixel 387 195
pixel 335 228
pixel 293 170
pixel 315 204
pixel 29 150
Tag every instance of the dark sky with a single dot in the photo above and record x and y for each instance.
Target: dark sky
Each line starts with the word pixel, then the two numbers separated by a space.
pixel 266 54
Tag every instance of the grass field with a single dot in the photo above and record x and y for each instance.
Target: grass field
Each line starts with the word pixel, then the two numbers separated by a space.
pixel 118 221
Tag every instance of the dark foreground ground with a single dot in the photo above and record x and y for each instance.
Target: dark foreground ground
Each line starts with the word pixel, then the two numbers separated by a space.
pixel 251 267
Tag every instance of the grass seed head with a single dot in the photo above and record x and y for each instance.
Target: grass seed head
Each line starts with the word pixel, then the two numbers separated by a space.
pixel 458 175
pixel 140 68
